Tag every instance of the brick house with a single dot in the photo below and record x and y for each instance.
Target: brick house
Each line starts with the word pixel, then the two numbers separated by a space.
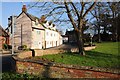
pixel 35 34
pixel 72 36
pixel 4 37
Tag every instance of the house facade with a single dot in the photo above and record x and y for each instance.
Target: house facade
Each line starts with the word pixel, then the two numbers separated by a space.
pixel 33 33
pixel 72 36
pixel 65 38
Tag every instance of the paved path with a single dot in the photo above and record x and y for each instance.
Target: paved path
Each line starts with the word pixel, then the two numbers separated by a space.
pixel 8 64
pixel 63 47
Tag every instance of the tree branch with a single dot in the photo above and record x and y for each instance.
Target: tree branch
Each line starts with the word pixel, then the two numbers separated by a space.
pixel 89 9
pixel 82 10
pixel 75 9
pixel 56 8
pixel 70 16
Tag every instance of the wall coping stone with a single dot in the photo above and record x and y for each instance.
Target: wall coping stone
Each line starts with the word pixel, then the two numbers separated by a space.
pixel 53 64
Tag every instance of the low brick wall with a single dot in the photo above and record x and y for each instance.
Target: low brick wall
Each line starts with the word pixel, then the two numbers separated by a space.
pixel 57 51
pixel 85 48
pixel 24 54
pixel 89 48
pixel 53 70
pixel 46 52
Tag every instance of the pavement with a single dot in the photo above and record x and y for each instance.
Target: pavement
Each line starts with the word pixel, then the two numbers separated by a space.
pixel 7 62
pixel 63 47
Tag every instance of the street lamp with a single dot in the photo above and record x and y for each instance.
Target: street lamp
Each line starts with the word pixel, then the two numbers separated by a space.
pixel 91 36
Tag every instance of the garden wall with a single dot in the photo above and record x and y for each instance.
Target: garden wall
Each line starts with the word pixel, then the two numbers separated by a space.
pixel 25 54
pixel 46 52
pixel 53 70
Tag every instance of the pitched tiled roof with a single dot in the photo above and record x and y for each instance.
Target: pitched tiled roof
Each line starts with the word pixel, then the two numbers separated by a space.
pixel 33 18
pixel 2 32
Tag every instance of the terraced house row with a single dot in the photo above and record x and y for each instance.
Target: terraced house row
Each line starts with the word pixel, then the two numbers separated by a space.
pixel 33 32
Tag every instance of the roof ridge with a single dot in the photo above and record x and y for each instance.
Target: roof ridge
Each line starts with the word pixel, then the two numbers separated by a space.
pixel 32 17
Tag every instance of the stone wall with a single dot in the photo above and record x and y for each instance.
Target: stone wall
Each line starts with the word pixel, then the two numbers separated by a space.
pixel 53 70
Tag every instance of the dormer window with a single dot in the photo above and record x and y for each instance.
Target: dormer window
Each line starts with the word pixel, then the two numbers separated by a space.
pixel 36 22
pixel 53 25
pixel 50 23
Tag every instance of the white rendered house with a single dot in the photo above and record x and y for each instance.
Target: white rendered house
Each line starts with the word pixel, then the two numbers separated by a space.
pixel 31 32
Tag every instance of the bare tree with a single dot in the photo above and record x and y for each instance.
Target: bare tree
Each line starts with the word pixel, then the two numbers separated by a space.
pixel 73 13
pixel 114 8
pixel 96 13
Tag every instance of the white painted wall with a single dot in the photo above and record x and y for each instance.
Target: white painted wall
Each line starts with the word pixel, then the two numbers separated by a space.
pixel 37 36
pixel 52 38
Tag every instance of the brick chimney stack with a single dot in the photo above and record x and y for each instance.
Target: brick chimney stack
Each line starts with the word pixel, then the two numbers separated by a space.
pixel 24 9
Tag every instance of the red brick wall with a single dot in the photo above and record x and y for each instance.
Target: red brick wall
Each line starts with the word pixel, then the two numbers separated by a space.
pixel 59 71
pixel 1 42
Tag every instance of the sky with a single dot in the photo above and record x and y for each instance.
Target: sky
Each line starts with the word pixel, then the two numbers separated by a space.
pixel 11 8
pixel 8 9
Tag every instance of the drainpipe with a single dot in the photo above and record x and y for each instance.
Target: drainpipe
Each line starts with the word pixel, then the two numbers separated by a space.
pixel 13 24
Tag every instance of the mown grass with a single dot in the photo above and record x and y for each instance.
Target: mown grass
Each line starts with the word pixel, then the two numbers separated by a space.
pixel 105 55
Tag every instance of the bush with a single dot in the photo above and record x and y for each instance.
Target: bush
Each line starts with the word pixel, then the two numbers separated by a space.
pixel 5 46
pixel 9 47
pixel 23 47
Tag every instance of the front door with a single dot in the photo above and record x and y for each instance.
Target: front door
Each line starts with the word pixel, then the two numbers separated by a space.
pixel 40 45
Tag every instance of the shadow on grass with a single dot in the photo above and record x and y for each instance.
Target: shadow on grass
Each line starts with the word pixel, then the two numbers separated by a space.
pixel 109 60
pixel 94 54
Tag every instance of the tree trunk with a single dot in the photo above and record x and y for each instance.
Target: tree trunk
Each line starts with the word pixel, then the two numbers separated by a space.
pixel 80 42
pixel 115 33
pixel 99 37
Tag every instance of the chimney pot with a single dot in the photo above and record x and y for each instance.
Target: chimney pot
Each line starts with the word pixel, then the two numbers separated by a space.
pixel 24 9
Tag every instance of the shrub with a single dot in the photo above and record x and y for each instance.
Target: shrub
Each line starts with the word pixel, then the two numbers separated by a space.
pixel 9 47
pixel 5 46
pixel 23 47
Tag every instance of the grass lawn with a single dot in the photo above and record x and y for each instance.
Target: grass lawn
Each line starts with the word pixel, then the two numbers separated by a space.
pixel 105 55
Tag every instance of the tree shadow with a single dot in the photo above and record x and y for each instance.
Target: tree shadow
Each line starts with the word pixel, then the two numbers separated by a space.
pixel 93 54
pixel 98 57
pixel 46 72
pixel 33 52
